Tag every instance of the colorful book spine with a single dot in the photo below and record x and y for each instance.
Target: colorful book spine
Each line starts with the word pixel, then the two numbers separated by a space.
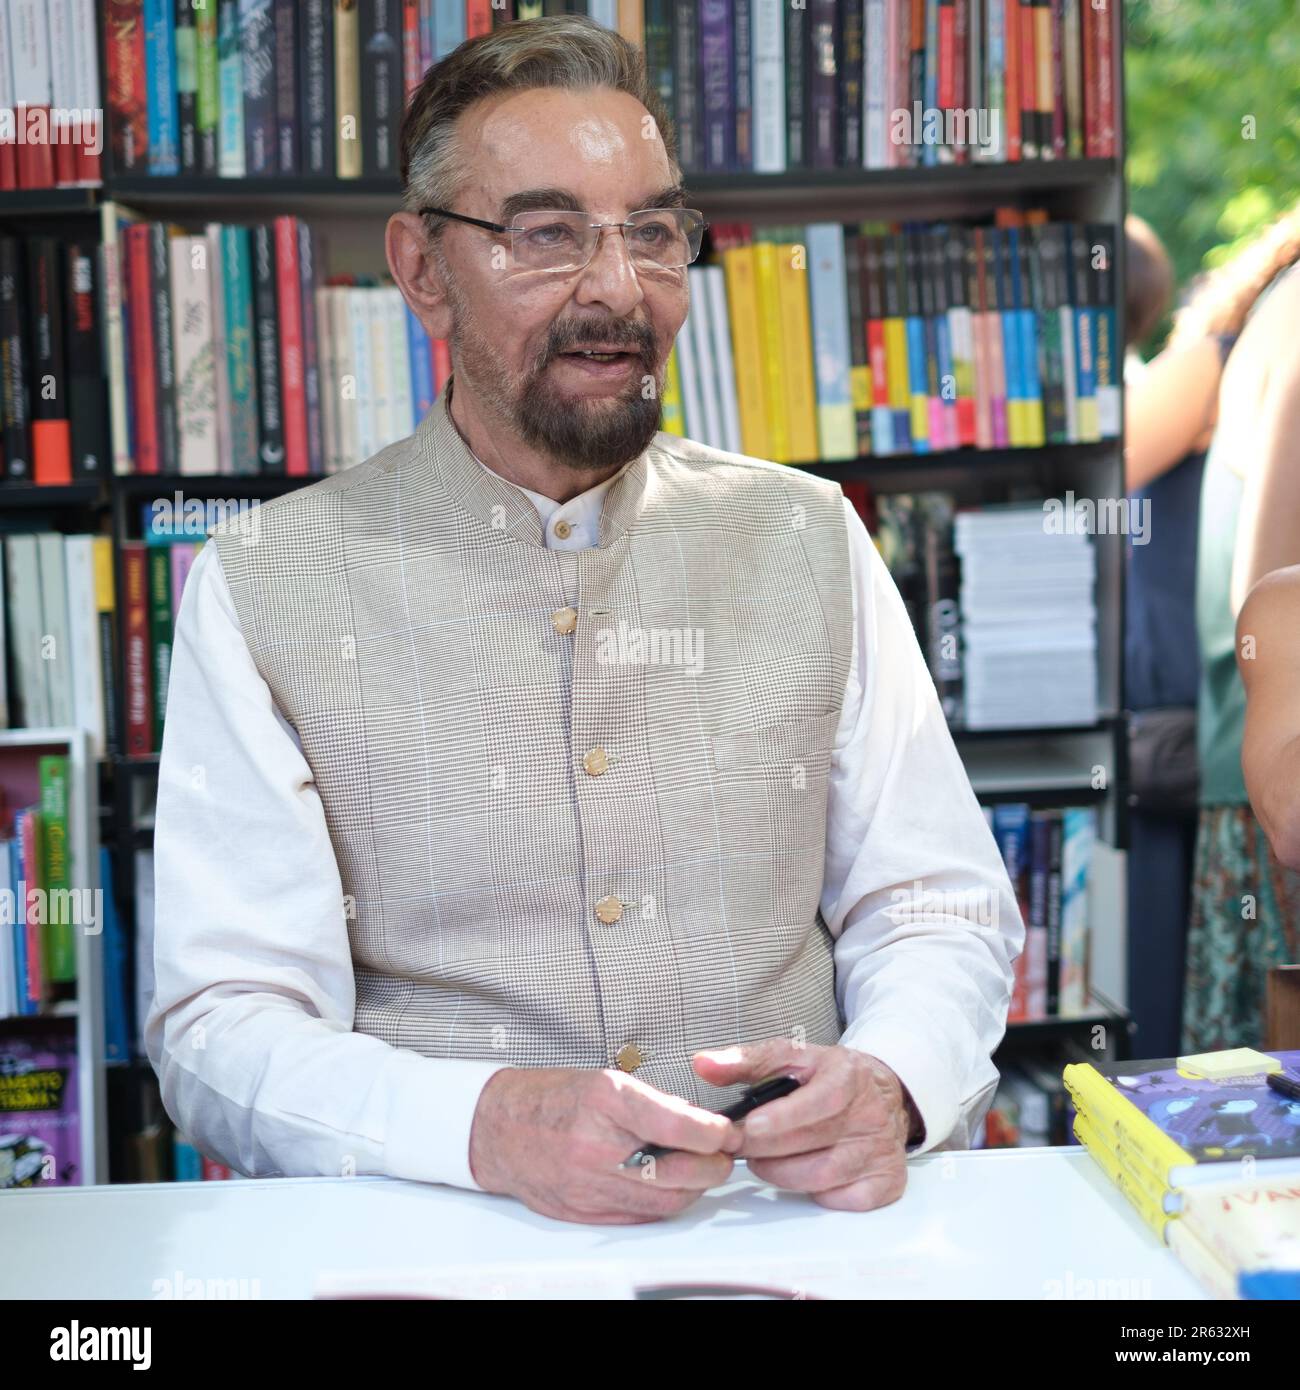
pixel 317 77
pixel 124 58
pixel 60 942
pixel 257 46
pixel 185 39
pixel 160 87
pixel 231 161
pixel 139 678
pixel 207 84
pixel 270 422
pixel 288 296
pixel 287 40
pixel 347 89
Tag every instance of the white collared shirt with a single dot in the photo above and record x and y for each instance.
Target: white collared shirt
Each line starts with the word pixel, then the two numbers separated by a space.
pixel 252 959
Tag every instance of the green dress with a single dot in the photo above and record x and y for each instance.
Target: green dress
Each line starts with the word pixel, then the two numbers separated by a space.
pixel 1245 914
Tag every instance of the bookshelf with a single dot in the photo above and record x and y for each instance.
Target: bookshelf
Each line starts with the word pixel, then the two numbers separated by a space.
pixel 1042 767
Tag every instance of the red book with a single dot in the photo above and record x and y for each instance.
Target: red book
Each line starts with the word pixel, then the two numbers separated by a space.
pixel 1100 18
pixel 127 103
pixel 478 18
pixel 1011 48
pixel 441 365
pixel 139 679
pixel 293 392
pixel 1028 81
pixel 412 69
pixel 144 370
pixel 214 1171
pixel 947 81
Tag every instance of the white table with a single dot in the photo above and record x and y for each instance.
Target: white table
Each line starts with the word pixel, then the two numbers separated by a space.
pixel 1036 1223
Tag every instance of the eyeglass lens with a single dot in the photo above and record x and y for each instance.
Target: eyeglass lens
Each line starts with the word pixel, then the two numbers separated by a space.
pixel 658 238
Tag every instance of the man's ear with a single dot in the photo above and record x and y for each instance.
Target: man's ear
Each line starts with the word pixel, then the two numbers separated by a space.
pixel 415 270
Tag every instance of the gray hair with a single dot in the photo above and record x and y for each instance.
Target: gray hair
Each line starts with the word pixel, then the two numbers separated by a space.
pixel 571 51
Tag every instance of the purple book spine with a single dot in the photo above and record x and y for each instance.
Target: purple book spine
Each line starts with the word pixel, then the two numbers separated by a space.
pixel 717 80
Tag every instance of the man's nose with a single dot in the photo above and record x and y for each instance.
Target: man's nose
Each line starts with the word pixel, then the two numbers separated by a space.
pixel 610 277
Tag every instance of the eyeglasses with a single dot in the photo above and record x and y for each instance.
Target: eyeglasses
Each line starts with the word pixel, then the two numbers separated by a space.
pixel 657 238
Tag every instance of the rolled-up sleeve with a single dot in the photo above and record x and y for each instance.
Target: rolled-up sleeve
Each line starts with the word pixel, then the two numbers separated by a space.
pixel 251 1025
pixel 925 921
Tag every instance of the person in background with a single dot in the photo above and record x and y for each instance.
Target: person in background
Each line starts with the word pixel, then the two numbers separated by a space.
pixel 1169 407
pixel 1268 656
pixel 1245 901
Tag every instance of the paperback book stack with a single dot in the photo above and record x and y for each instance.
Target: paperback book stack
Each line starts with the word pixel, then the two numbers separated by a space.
pixel 229 357
pixel 1208 1153
pixel 1029 621
pixel 830 342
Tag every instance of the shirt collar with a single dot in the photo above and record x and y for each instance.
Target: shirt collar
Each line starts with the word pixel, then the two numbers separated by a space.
pixel 597 517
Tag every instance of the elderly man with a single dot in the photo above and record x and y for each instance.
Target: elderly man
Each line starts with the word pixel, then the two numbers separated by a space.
pixel 530 788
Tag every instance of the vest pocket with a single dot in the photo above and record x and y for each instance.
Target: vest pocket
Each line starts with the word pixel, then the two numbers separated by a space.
pixel 776 743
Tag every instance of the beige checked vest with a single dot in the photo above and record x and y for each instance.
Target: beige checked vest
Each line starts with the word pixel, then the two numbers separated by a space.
pixel 577 799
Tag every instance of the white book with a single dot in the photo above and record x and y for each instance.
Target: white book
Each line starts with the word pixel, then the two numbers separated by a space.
pixel 604 12
pixel 7 114
pixel 362 374
pixel 875 76
pixel 220 364
pixel 111 215
pixel 193 347
pixel 767 66
pixel 720 326
pixel 85 70
pixel 688 373
pixel 57 652
pixel 345 358
pixel 697 324
pixel 83 637
pixel 381 385
pixel 329 385
pixel 29 36
pixel 399 362
pixel 62 77
pixel 31 674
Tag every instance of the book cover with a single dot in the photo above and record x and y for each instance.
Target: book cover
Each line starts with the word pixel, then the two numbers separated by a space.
pixel 347 88
pixel 316 72
pixel 186 41
pixel 39 1114
pixel 29 44
pixel 57 876
pixel 160 87
pixel 836 419
pixel 717 85
pixel 231 161
pixel 257 49
pixel 287 41
pixel 196 399
pixel 239 340
pixel 381 84
pixel 207 86
pixel 51 431
pixel 270 424
pixel 88 426
pixel 136 656
pixel 768 85
pixel 288 297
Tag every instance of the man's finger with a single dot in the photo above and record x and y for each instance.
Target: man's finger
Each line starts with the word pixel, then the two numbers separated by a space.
pixel 682 1171
pixel 749 1062
pixel 657 1118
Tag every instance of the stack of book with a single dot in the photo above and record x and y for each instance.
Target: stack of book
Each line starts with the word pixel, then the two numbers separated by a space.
pixel 58 603
pixel 1208 1153
pixel 1029 620
pixel 53 424
pixel 51 120
pixel 829 342
pixel 263 88
pixel 1048 855
pixel 38 956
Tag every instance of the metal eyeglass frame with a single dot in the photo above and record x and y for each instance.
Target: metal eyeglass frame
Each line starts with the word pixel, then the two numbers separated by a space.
pixel 599 226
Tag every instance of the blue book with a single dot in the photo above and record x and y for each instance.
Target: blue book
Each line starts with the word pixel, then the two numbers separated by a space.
pixel 117 1037
pixel 448 27
pixel 18 887
pixel 1085 332
pixel 1010 327
pixel 837 427
pixel 1027 320
pixel 230 80
pixel 160 86
pixel 421 358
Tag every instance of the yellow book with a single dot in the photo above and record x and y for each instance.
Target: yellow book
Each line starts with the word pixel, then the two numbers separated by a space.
pixel 1218 1279
pixel 1150 1212
pixel 747 348
pixel 347 89
pixel 860 387
pixel 1017 423
pixel 766 256
pixel 896 368
pixel 673 420
pixel 1116 1117
pixel 1036 435
pixel 796 351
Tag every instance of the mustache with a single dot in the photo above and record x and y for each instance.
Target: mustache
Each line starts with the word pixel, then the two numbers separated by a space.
pixel 628 337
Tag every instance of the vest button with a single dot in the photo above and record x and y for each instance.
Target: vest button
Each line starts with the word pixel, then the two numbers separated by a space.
pixel 562 529
pixel 596 762
pixel 629 1057
pixel 609 910
pixel 564 620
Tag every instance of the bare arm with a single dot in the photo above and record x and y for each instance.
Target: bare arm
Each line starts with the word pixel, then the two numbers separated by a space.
pixel 1169 410
pixel 1268 525
pixel 1268 655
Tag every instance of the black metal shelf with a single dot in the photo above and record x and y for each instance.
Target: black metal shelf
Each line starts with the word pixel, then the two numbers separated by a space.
pixel 249 484
pixel 39 497
pixel 49 202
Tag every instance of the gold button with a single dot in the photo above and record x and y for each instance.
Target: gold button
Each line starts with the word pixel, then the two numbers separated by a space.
pixel 609 910
pixel 563 529
pixel 629 1057
pixel 564 620
pixel 596 762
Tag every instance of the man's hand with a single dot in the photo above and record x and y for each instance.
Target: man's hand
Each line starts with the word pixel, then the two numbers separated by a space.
pixel 841 1137
pixel 554 1137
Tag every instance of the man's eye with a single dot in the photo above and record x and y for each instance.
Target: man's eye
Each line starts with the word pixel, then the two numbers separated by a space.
pixel 557 234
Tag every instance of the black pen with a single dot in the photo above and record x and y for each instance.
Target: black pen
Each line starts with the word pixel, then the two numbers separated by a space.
pixel 1284 1085
pixel 759 1094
